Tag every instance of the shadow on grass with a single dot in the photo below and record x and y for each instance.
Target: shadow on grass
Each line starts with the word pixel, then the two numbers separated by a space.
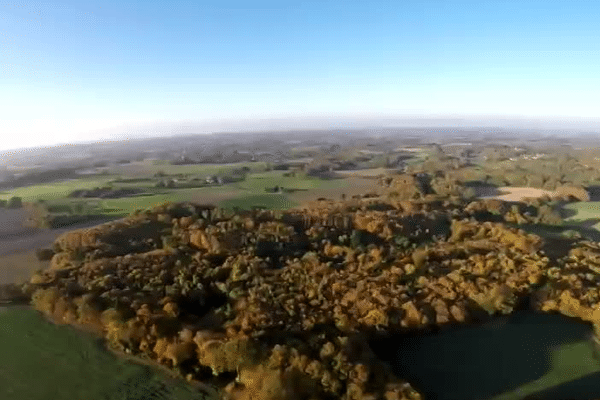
pixel 588 224
pixel 293 190
pixel 478 183
pixel 142 195
pixel 555 244
pixel 594 192
pixel 567 213
pixel 111 210
pixel 61 222
pixel 477 363
pixel 483 189
pixel 327 176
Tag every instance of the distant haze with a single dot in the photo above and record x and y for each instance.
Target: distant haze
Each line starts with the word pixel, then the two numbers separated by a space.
pixel 349 123
pixel 73 71
pixel 175 128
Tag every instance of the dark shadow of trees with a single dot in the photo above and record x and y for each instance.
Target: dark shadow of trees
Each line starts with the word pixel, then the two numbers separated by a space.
pixel 594 192
pixel 482 188
pixel 480 362
pixel 555 245
pixel 567 212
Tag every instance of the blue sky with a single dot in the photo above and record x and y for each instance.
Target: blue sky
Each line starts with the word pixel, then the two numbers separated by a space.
pixel 73 70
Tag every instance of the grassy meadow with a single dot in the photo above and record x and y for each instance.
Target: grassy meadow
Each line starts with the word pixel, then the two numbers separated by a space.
pixel 41 360
pixel 152 167
pixel 55 190
pixel 272 201
pixel 258 182
pixel 189 186
pixel 585 211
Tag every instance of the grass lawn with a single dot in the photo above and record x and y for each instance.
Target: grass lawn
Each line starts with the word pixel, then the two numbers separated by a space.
pixel 241 194
pixel 55 190
pixel 126 205
pixel 419 156
pixel 584 211
pixel 43 361
pixel 246 194
pixel 270 201
pixel 149 168
pixel 259 181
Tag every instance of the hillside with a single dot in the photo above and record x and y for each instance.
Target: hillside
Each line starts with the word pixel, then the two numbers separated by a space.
pixel 288 301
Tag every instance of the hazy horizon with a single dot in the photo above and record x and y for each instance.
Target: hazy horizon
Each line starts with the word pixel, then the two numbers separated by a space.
pixel 106 70
pixel 170 129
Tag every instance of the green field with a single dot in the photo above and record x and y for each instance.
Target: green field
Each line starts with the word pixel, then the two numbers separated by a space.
pixel 224 196
pixel 584 211
pixel 272 201
pixel 44 361
pixel 55 190
pixel 150 167
pixel 419 156
pixel 126 205
pixel 244 194
pixel 259 181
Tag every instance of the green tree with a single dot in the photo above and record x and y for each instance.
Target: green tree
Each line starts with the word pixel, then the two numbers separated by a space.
pixel 355 238
pixel 469 193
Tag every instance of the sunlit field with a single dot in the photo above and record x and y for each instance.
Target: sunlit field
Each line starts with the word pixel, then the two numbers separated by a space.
pixel 585 211
pixel 268 201
pixel 43 361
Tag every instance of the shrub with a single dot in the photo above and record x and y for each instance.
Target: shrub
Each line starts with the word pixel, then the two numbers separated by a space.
pixel 355 238
pixel 14 202
pixel 44 254
pixel 402 242
pixel 571 234
pixel 469 193
pixel 573 193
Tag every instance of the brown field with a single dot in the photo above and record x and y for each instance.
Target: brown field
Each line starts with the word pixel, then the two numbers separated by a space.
pixel 11 225
pixel 14 238
pixel 19 267
pixel 355 186
pixel 18 245
pixel 372 172
pixel 508 193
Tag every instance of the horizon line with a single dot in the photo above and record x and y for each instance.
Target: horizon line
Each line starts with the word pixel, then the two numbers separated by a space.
pixel 181 127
